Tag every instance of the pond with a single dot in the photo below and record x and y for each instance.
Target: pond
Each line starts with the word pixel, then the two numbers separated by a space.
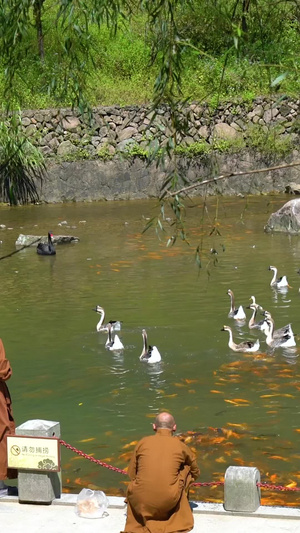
pixel 231 408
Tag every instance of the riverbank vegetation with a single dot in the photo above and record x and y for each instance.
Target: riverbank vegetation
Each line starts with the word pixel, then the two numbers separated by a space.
pixel 60 53
pixel 166 52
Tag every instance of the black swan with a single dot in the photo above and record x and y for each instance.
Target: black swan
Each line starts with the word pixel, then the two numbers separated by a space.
pixel 46 249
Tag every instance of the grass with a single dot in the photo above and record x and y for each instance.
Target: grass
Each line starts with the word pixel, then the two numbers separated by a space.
pixel 122 73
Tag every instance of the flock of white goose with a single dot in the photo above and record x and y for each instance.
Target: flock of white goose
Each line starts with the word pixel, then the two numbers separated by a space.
pixel 150 354
pixel 275 338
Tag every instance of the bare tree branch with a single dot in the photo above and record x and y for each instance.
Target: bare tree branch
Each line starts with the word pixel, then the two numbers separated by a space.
pixel 224 176
pixel 19 250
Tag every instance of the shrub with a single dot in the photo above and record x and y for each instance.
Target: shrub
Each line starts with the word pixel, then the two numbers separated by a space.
pixel 21 163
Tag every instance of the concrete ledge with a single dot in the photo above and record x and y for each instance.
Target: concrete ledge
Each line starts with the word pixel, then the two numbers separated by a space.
pixel 70 499
pixel 263 511
pixel 67 499
pixel 116 502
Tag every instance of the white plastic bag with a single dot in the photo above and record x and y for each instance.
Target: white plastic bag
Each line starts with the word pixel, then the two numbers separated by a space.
pixel 91 504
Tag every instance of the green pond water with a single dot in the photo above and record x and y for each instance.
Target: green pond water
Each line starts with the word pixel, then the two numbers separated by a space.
pixel 239 408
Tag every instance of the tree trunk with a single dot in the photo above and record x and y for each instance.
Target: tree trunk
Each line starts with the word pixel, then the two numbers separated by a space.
pixel 37 11
pixel 246 6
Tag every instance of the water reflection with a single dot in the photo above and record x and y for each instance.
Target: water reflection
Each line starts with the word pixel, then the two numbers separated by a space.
pixel 280 293
pixel 291 358
pixel 154 370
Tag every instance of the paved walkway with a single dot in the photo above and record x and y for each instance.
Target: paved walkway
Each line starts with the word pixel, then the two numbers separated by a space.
pixel 60 517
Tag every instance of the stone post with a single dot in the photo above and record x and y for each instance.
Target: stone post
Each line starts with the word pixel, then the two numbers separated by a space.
pixel 240 489
pixel 34 486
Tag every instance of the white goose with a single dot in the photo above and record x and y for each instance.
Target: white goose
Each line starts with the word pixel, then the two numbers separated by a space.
pixel 280 282
pixel 285 341
pixel 254 302
pixel 113 344
pixel 236 313
pixel 150 354
pixel 277 333
pixel 252 324
pixel 115 324
pixel 245 346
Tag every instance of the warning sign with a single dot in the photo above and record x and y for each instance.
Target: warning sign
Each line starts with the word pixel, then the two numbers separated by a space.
pixel 33 453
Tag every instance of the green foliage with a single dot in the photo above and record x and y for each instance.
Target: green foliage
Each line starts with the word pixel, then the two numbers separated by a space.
pixel 295 128
pixel 236 144
pixel 265 31
pixel 135 150
pixel 268 142
pixel 78 155
pixel 21 163
pixel 104 154
pixel 200 149
pixel 112 52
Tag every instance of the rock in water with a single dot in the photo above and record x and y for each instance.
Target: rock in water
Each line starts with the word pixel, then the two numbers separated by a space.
pixel 286 219
pixel 293 188
pixel 27 240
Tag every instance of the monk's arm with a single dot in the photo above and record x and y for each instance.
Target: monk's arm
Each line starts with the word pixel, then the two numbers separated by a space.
pixel 195 471
pixel 5 369
pixel 132 466
pixel 192 462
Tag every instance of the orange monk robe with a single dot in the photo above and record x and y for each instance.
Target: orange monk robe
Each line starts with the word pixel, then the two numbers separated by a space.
pixel 7 424
pixel 161 470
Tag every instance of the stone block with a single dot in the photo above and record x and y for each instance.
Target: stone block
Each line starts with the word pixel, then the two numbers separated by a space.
pixel 47 138
pixel 30 130
pixel 28 113
pixel 70 123
pixel 258 111
pixel 241 492
pixel 125 145
pixel 35 486
pixel 54 144
pixel 39 117
pixel 270 115
pixel 46 150
pixel 66 147
pixel 127 133
pixel 224 131
pixel 203 132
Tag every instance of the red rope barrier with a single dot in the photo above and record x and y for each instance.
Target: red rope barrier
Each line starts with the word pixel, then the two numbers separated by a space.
pixel 90 458
pixel 266 486
pixel 208 484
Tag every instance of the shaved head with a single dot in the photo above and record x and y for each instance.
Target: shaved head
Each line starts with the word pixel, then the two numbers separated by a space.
pixel 164 420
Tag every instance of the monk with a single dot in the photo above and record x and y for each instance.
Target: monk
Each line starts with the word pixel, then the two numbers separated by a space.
pixel 7 424
pixel 161 470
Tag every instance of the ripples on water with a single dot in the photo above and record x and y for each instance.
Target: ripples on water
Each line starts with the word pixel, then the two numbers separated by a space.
pixel 239 408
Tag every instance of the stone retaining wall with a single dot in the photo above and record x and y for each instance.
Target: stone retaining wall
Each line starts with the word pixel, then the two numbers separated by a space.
pixel 63 135
pixel 61 131
pixel 126 180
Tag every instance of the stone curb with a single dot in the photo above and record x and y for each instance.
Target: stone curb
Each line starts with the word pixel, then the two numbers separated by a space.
pixel 116 502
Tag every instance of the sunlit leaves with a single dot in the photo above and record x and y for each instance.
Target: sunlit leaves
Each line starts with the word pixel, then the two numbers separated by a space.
pixel 278 80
